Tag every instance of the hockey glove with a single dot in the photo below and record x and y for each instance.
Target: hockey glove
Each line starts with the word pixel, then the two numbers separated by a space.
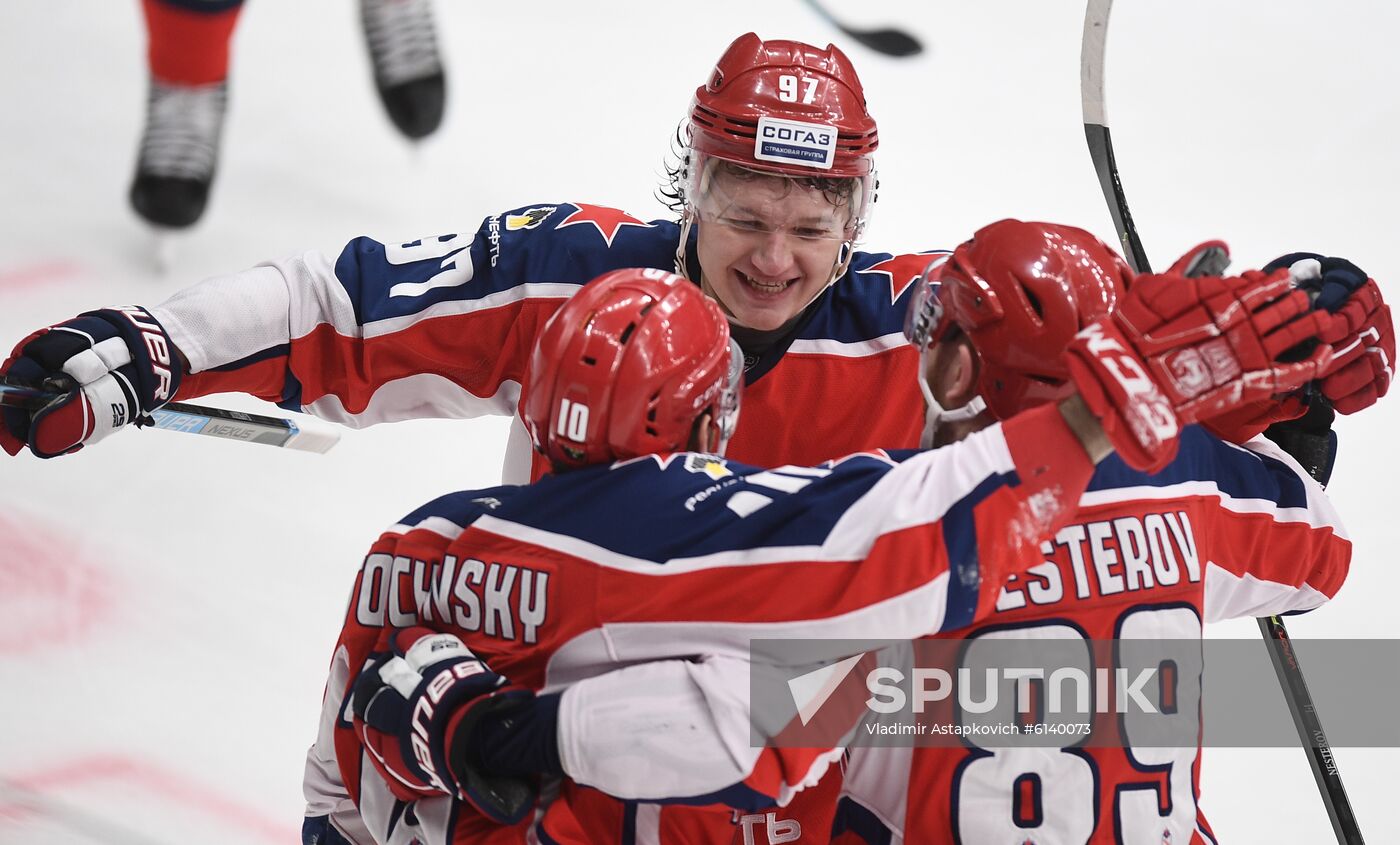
pixel 1217 344
pixel 1241 424
pixel 1205 259
pixel 110 367
pixel 415 705
pixel 1362 335
pixel 1114 383
pixel 1237 424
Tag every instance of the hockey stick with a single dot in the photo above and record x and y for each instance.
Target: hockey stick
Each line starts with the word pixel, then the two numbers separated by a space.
pixel 1091 65
pixel 890 42
pixel 198 419
pixel 1305 447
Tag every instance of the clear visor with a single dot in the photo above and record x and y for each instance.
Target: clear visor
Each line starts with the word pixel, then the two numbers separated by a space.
pixel 923 321
pixel 730 397
pixel 765 202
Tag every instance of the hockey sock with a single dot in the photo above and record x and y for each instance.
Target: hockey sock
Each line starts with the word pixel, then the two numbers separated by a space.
pixel 189 39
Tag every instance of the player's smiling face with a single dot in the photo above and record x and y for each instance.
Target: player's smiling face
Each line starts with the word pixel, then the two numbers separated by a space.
pixel 767 244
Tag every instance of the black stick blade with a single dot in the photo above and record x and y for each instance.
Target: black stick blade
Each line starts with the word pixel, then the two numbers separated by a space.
pixel 891 42
pixel 888 41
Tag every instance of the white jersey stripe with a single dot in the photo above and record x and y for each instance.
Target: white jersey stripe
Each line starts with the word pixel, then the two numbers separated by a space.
pixel 1318 515
pixel 857 349
pixel 453 308
pixel 418 397
pixel 905 497
pixel 1231 596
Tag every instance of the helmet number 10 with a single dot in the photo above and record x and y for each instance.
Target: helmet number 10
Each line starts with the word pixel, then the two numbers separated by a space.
pixel 787 89
pixel 573 421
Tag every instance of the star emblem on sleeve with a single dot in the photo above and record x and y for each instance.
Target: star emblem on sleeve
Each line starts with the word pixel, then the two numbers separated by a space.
pixel 606 220
pixel 902 270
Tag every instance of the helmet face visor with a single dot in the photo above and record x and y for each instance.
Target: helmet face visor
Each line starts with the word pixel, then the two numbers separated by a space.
pixel 923 322
pixel 764 202
pixel 730 397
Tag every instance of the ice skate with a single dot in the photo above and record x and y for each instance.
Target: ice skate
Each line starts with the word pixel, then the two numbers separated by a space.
pixel 408 74
pixel 179 153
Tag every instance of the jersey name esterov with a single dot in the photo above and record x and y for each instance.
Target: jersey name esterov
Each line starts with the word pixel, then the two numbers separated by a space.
pixel 1107 557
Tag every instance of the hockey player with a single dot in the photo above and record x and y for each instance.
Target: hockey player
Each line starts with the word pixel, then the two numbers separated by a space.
pixel 188 57
pixel 774 190
pixel 550 585
pixel 1258 538
pixel 1261 542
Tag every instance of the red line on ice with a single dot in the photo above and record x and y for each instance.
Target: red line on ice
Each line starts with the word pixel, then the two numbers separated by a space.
pixel 37 275
pixel 50 594
pixel 177 788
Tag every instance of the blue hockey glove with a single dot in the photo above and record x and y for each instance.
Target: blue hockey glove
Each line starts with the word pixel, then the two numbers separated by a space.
pixel 415 706
pixel 1362 335
pixel 110 367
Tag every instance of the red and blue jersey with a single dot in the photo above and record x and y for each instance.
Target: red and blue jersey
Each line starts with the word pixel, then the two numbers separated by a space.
pixel 684 559
pixel 1222 532
pixel 667 567
pixel 443 326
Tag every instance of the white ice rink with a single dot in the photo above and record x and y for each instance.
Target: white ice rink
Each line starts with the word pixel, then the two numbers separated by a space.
pixel 168 603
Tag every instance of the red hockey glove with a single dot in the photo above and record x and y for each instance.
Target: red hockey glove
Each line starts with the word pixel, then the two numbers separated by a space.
pixel 1238 424
pixel 1216 344
pixel 1113 381
pixel 111 367
pixel 415 705
pixel 1249 420
pixel 1362 334
pixel 1205 259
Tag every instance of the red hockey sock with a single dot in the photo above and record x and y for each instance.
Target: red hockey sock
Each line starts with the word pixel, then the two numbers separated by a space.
pixel 189 45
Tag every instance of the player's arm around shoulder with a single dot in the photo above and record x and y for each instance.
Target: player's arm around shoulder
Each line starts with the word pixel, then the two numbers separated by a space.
pixel 967 515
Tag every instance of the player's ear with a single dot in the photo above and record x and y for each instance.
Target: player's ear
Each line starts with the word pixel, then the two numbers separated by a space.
pixel 704 435
pixel 955 381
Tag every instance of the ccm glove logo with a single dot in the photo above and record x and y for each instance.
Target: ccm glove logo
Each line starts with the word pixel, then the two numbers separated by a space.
pixel 1150 415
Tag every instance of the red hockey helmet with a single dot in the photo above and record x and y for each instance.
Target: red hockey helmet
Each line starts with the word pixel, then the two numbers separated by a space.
pixel 789 108
pixel 626 366
pixel 1019 291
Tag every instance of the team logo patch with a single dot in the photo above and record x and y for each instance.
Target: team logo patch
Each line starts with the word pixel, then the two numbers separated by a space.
pixel 709 465
pixel 903 270
pixel 608 221
pixel 795 142
pixel 529 219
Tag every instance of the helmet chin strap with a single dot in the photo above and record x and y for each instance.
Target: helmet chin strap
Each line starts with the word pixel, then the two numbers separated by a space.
pixel 687 221
pixel 934 412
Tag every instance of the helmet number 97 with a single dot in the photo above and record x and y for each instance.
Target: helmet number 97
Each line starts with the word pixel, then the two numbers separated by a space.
pixel 573 421
pixel 787 89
